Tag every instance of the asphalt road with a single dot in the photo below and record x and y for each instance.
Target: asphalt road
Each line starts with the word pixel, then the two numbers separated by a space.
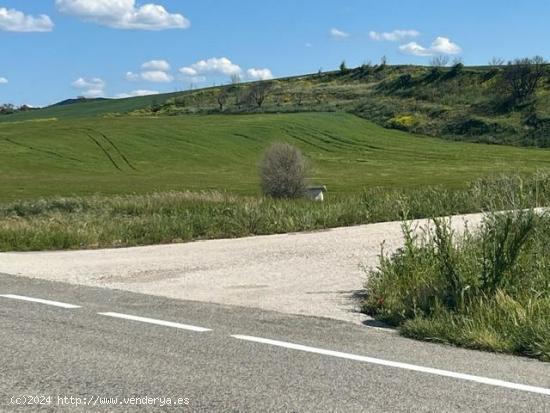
pixel 220 359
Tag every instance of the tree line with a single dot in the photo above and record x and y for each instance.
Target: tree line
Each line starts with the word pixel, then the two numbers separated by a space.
pixel 9 109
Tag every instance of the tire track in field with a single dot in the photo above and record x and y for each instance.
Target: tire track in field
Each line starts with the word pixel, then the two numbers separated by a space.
pixel 120 153
pixel 350 142
pixel 48 152
pixel 295 135
pixel 104 151
pixel 334 140
pixel 104 143
pixel 242 135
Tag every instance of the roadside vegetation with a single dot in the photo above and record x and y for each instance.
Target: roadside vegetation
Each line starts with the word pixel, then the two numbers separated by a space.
pixel 487 289
pixel 119 221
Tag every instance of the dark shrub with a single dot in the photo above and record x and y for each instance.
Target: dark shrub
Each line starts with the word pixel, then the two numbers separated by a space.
pixel 469 127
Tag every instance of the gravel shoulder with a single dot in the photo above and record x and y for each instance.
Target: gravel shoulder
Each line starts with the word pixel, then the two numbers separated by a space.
pixel 316 274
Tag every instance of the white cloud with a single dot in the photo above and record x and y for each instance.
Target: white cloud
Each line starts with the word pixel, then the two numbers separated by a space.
pixel 12 20
pixel 394 36
pixel 3 80
pixel 95 83
pixel 139 92
pixel 194 80
pixel 188 71
pixel 161 65
pixel 93 93
pixel 415 49
pixel 123 14
pixel 441 45
pixel 444 45
pixel 259 74
pixel 338 34
pixel 155 71
pixel 91 88
pixel 156 76
pixel 133 77
pixel 221 65
pixel 196 73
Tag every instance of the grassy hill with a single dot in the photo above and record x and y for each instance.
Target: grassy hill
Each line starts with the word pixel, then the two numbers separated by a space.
pixel 131 154
pixel 458 103
pixel 89 108
pixel 360 128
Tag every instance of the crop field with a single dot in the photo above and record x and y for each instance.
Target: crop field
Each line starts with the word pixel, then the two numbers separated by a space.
pixel 131 154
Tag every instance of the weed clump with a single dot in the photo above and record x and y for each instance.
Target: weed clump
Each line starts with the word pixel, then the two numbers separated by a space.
pixel 487 289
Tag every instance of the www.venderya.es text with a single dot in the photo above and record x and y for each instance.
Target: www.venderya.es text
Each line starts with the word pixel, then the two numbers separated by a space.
pixel 95 400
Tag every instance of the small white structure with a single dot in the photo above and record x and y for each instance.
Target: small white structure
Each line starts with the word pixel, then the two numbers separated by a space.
pixel 316 193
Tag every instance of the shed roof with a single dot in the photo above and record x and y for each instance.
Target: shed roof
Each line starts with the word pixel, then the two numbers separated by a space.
pixel 317 188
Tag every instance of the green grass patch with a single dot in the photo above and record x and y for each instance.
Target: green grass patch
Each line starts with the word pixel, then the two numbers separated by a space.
pixel 139 155
pixel 487 290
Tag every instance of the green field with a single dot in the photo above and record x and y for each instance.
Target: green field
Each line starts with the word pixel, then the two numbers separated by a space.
pixel 145 154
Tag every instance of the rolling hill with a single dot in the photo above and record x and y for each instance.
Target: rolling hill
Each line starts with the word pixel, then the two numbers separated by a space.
pixel 360 128
pixel 141 154
pixel 456 103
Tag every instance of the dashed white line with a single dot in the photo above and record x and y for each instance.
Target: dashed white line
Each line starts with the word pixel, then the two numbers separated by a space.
pixel 406 366
pixel 157 322
pixel 39 300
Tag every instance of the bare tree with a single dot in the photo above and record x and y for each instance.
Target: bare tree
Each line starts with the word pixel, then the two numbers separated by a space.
pixel 458 61
pixel 343 67
pixel 235 79
pixel 366 65
pixel 238 93
pixel 522 76
pixel 496 61
pixel 283 171
pixel 7 109
pixel 222 98
pixel 259 92
pixel 439 61
pixel 299 95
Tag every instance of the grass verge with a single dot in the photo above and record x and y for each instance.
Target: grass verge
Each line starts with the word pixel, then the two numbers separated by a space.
pixel 487 290
pixel 119 221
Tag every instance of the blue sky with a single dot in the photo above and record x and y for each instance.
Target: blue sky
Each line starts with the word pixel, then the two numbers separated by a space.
pixel 56 49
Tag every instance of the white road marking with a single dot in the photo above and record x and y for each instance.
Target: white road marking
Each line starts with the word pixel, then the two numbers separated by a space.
pixel 157 322
pixel 39 300
pixel 406 366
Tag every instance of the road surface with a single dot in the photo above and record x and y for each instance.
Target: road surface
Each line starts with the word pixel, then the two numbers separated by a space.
pixel 91 345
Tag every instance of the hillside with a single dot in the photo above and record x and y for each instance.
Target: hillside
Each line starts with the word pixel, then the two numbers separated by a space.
pixel 89 108
pixel 459 103
pixel 131 154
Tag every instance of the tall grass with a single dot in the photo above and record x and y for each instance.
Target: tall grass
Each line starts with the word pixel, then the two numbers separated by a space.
pixel 488 289
pixel 94 222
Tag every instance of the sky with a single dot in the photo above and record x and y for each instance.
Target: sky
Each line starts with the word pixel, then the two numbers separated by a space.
pixel 57 49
